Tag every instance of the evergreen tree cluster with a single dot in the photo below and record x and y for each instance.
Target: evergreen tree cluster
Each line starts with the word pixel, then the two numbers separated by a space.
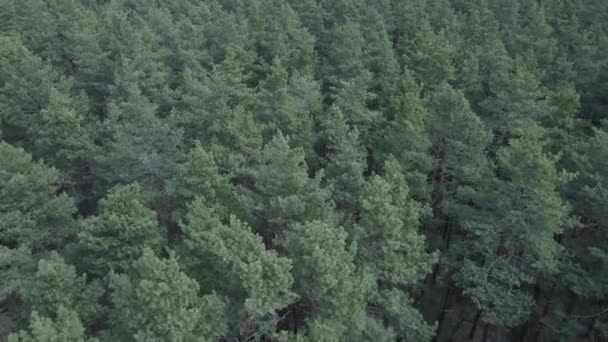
pixel 303 170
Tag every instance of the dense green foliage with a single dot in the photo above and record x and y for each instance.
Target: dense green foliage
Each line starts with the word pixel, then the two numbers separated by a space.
pixel 303 170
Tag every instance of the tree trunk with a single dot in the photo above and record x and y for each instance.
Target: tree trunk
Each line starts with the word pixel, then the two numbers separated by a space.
pixel 448 237
pixel 434 274
pixel 485 333
pixel 538 333
pixel 475 323
pixel 590 330
pixel 444 307
pixel 460 320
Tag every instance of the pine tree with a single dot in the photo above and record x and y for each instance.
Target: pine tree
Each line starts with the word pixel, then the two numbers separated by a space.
pixel 588 189
pixel 63 139
pixel 406 18
pixel 199 176
pixel 221 117
pixel 443 17
pixel 239 145
pixel 379 58
pixel 66 327
pixel 16 265
pixel 561 122
pixel 56 284
pixel 29 19
pixel 392 250
pixel 517 102
pixel 136 56
pixel 45 116
pixel 507 14
pixel 346 166
pixel 405 135
pixel 332 292
pixel 33 212
pixel 192 109
pixel 170 24
pixel 116 237
pixel 89 58
pixel 483 55
pixel 52 30
pixel 156 301
pixel 25 85
pixel 510 227
pixel 352 99
pixel 305 91
pixel 429 55
pixel 141 147
pixel 200 104
pixel 340 11
pixel 580 47
pixel 277 109
pixel 341 56
pixel 536 43
pixel 282 192
pixel 584 272
pixel 256 281
pixel 311 15
pixel 278 33
pixel 221 26
pixel 458 140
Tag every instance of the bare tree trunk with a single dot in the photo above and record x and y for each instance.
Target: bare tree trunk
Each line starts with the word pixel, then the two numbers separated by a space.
pixel 485 333
pixel 461 319
pixel 475 323
pixel 538 333
pixel 448 235
pixel 590 330
pixel 434 274
pixel 444 307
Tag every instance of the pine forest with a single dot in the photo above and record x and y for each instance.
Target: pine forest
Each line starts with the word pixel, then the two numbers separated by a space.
pixel 303 170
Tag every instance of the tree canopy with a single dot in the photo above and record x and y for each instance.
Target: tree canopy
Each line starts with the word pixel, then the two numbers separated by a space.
pixel 303 170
